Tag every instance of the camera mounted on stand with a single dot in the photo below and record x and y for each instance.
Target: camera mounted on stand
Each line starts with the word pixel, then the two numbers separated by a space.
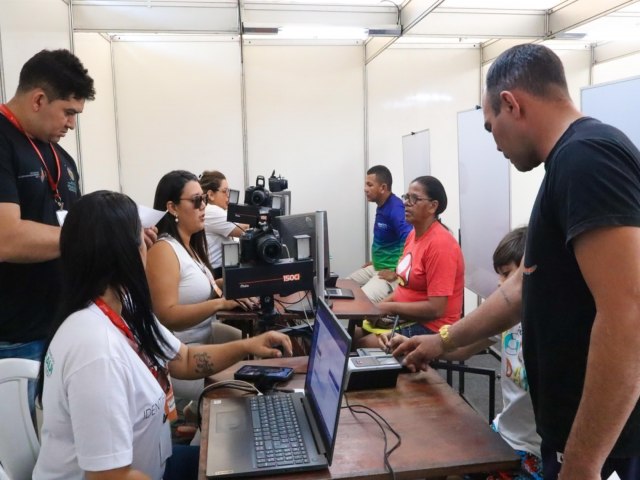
pixel 278 197
pixel 254 266
pixel 259 196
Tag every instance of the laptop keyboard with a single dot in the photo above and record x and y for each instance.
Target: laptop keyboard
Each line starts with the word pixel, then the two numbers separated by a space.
pixel 276 433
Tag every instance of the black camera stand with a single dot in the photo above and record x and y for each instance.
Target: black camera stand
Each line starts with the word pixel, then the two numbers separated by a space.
pixel 269 320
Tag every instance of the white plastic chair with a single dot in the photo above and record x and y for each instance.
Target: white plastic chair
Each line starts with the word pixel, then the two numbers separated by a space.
pixel 3 475
pixel 19 445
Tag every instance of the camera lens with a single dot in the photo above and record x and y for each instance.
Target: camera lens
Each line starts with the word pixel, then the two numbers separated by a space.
pixel 258 197
pixel 269 248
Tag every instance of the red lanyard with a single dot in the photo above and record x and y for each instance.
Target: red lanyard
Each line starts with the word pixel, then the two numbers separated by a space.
pixel 4 110
pixel 119 323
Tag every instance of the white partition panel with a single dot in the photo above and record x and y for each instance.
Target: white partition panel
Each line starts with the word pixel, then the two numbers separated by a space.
pixel 305 111
pixel 97 122
pixel 484 201
pixel 616 103
pixel 415 156
pixel 179 107
pixel 26 27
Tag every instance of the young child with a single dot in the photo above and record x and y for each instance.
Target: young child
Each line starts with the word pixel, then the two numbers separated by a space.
pixel 516 423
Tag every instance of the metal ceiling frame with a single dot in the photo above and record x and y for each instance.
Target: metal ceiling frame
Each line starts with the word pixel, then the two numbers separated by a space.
pixel 498 28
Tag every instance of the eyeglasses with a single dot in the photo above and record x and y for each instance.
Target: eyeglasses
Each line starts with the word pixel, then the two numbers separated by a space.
pixel 412 198
pixel 198 200
pixel 225 191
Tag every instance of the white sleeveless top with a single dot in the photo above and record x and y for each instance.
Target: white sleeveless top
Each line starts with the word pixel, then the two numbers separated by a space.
pixel 194 287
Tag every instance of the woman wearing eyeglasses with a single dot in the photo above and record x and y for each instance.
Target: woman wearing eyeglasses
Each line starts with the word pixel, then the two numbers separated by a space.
pixel 183 289
pixel 431 268
pixel 216 226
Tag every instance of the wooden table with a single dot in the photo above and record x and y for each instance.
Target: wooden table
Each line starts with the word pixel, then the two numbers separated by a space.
pixel 355 310
pixel 441 434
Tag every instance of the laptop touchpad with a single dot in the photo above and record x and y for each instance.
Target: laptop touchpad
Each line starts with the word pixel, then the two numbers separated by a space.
pixel 230 422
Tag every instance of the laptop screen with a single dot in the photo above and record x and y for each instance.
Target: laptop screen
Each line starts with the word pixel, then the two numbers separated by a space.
pixel 325 373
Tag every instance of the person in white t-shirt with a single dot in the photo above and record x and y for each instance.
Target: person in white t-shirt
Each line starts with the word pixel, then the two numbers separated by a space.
pixel 216 226
pixel 104 381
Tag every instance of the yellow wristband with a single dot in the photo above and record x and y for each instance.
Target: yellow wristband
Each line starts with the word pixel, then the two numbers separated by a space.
pixel 447 343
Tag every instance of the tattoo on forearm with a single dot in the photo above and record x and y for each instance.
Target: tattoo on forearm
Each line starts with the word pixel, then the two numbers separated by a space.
pixel 204 365
pixel 504 295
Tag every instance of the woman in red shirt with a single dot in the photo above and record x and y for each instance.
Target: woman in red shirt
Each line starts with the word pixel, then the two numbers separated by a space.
pixel 431 269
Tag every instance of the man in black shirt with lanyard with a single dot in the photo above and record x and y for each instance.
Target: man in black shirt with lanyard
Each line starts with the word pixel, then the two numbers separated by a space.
pixel 38 183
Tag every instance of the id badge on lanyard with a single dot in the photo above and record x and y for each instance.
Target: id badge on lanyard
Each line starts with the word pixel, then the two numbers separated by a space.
pixel 61 215
pixel 170 411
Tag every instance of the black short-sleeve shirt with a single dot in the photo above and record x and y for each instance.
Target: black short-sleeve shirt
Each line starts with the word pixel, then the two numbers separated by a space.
pixel 592 180
pixel 29 292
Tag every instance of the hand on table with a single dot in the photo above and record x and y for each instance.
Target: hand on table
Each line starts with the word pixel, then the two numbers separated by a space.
pixel 390 345
pixel 418 351
pixel 247 304
pixel 266 345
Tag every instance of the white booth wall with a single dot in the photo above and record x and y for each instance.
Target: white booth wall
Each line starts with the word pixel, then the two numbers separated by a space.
pixel 315 114
pixel 178 105
pixel 417 89
pixel 305 110
pixel 617 69
pixel 22 34
pixel 97 124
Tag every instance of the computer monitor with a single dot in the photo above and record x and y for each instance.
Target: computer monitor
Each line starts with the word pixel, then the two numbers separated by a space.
pixel 303 224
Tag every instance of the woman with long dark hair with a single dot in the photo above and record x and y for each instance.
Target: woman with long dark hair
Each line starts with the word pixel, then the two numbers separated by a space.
pixel 104 380
pixel 183 289
pixel 431 269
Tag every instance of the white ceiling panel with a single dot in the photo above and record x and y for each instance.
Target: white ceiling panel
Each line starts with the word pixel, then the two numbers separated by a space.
pixel 612 27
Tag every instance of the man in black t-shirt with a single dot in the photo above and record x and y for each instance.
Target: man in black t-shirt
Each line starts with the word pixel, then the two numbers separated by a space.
pixel 38 183
pixel 578 287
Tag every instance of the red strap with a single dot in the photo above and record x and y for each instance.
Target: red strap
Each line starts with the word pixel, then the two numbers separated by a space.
pixel 120 324
pixel 115 318
pixel 4 110
pixel 161 375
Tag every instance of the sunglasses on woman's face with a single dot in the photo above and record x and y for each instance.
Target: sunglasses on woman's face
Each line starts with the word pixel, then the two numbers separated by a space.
pixel 198 200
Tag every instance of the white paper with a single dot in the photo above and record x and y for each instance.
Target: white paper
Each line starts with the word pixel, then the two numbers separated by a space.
pixel 148 216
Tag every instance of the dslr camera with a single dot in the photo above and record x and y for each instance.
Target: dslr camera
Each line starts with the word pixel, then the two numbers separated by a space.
pixel 277 184
pixel 260 245
pixel 258 195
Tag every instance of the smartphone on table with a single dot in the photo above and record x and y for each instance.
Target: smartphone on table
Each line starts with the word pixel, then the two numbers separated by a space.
pixel 255 373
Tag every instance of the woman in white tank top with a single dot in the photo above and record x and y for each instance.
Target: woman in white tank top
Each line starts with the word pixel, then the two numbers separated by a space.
pixel 183 290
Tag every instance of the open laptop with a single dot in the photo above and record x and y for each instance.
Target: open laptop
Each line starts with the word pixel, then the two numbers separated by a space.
pixel 233 450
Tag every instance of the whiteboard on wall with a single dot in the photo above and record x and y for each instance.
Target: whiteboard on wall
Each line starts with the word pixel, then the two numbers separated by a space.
pixel 484 201
pixel 616 103
pixel 415 156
